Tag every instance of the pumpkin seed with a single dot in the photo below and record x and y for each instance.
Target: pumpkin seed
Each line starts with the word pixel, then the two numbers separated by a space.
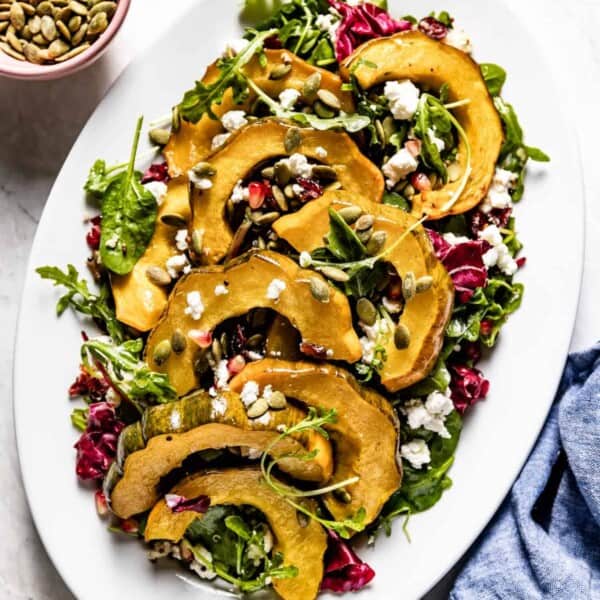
pixel 173 220
pixel 201 362
pixel 159 136
pixel 282 173
pixel 238 238
pixel 255 341
pixel 454 171
pixel 28 9
pixel 39 39
pixel 409 286
pixel 17 16
pixel 319 289
pixel 45 8
pixel 302 519
pixel 389 128
pixel 14 41
pixel 98 24
pixel 33 53
pixel 64 14
pixel 175 118
pixel 26 33
pixel 277 400
pixel 197 240
pixel 35 24
pixel 311 85
pixel 293 139
pixel 324 172
pixel 73 53
pixel 79 35
pixel 258 409
pixel 401 336
pixel 365 236
pixel 158 275
pixel 334 274
pixel 78 8
pixel 57 48
pixel 12 53
pixel 279 197
pixel 424 284
pixel 74 23
pixel 350 214
pixel 63 30
pixel 323 111
pixel 105 7
pixel 279 72
pixel 376 243
pixel 4 26
pixel 364 222
pixel 5 6
pixel 204 169
pixel 178 342
pixel 366 311
pixel 342 495
pixel 266 218
pixel 260 243
pixel 409 191
pixel 224 342
pixel 216 350
pixel 48 28
pixel 161 352
pixel 380 131
pixel 329 99
pixel 268 172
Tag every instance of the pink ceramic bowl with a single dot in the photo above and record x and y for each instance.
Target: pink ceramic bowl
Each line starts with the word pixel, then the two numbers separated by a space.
pixel 10 67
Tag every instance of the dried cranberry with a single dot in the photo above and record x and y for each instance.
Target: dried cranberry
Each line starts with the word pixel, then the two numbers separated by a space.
pixel 93 235
pixel 313 350
pixel 433 28
pixel 311 189
pixel 273 42
pixel 521 262
pixel 486 327
pixel 420 182
pixel 156 172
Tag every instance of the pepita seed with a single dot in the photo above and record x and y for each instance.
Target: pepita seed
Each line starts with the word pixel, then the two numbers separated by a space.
pixel 311 85
pixel 289 191
pixel 73 53
pixel 401 336
pixel 238 238
pixel 26 33
pixel 74 23
pixel 204 169
pixel 17 16
pixel 14 41
pixel 12 53
pixel 197 240
pixel 5 6
pixel 277 400
pixel 424 284
pixel 98 24
pixel 63 30
pixel 161 352
pixel 258 409
pixel 159 136
pixel 324 172
pixel 64 14
pixel 389 128
pixel 178 342
pixel 280 71
pixel 35 24
pixel 334 274
pixel 319 289
pixel 293 139
pixel 28 9
pixel 380 131
pixel 364 222
pixel 350 214
pixel 201 363
pixel 173 220
pixel 454 171
pixel 409 286
pixel 175 118
pixel 48 28
pixel 78 8
pixel 321 110
pixel 158 276
pixel 105 7
pixel 268 172
pixel 409 191
pixel 376 243
pixel 365 236
pixel 366 311
pixel 78 36
pixel 282 173
pixel 302 519
pixel 216 350
pixel 39 39
pixel 342 495
pixel 4 26
pixel 329 99
pixel 256 340
pixel 45 8
pixel 266 218
pixel 57 48
pixel 33 53
pixel 279 197
pixel 260 243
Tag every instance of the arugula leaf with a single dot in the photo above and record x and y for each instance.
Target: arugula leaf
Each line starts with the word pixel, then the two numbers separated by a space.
pixel 494 77
pixel 342 241
pixel 256 11
pixel 128 217
pixel 443 17
pixel 129 374
pixel 80 298
pixel 537 154
pixel 394 199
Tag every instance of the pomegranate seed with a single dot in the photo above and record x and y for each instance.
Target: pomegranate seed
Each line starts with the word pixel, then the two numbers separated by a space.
pixel 414 147
pixel 313 350
pixel 202 338
pixel 129 526
pixel 521 262
pixel 486 327
pixel 420 182
pixel 101 504
pixel 258 193
pixel 236 364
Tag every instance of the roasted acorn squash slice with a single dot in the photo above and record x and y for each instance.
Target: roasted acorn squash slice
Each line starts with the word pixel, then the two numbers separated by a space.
pixel 301 545
pixel 431 64
pixel 426 315
pixel 193 141
pixel 262 141
pixel 365 440
pixel 139 302
pixel 327 325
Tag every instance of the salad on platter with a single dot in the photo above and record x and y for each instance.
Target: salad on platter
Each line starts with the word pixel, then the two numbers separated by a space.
pixel 291 299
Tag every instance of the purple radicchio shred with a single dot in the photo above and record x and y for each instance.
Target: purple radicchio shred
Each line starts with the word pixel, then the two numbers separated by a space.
pixel 179 504
pixel 467 386
pixel 156 172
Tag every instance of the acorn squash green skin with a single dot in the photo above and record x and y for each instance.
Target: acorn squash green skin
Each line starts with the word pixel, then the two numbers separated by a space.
pixel 301 546
pixel 430 64
pixel 426 315
pixel 364 438
pixel 325 324
pixel 263 141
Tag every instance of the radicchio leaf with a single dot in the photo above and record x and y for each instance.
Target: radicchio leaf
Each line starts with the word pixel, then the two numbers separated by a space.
pixel 433 28
pixel 87 385
pixel 480 220
pixel 311 190
pixel 468 386
pixel 344 570
pixel 179 504
pixel 156 172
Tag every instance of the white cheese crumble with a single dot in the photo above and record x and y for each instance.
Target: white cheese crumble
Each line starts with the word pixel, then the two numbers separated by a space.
pixel 111 242
pixel 221 290
pixel 329 23
pixel 249 393
pixel 240 193
pixel 200 183
pixel 321 152
pixel 403 97
pixel 299 166
pixel 498 255
pixel 234 120
pixel 275 289
pixel 158 189
pixel 181 240
pixel 391 306
pixel 199 567
pixel 436 141
pixel 416 452
pixel 431 414
pixel 459 39
pixel 176 264
pixel 398 167
pixel 267 392
pixel 498 195
pixel 195 306
pixel 305 259
pixel 373 334
pixel 455 239
pixel 288 98
pixel 212 391
pixel 264 420
pixel 235 46
pixel 219 140
pixel 221 375
pixel 219 406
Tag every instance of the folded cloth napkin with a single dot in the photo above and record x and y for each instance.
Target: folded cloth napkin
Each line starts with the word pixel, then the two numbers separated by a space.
pixel 544 542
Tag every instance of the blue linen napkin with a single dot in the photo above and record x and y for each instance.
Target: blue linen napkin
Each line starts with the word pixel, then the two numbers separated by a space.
pixel 544 542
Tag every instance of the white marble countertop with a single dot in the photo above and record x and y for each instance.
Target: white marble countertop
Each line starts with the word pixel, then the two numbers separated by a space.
pixel 40 121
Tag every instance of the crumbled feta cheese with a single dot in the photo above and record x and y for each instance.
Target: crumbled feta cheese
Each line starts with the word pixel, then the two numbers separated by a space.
pixel 288 98
pixel 212 391
pixel 391 306
pixel 436 141
pixel 459 39
pixel 240 193
pixel 305 259
pixel 491 234
pixel 275 289
pixel 368 350
pixel 175 420
pixel 403 97
pixel 249 393
pixel 199 567
pixel 373 334
pixel 264 420
pixel 158 189
pixel 439 403
pixel 416 452
pixel 222 375
pixel 111 242
pixel 398 167
pixel 181 240
pixel 299 166
pixel 498 255
pixel 297 189
pixel 321 152
pixel 267 392
pixel 219 406
pixel 235 46
pixel 176 264
pixel 234 120
pixel 455 239
pixel 430 415
pixel 498 195
pixel 200 183
pixel 219 140
pixel 329 23
pixel 195 306
pixel 253 355
pixel 221 290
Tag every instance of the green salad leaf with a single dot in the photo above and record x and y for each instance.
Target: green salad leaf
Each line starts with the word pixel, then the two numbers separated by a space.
pixel 78 296
pixel 100 177
pixel 128 216
pixel 79 417
pixel 342 241
pixel 494 77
